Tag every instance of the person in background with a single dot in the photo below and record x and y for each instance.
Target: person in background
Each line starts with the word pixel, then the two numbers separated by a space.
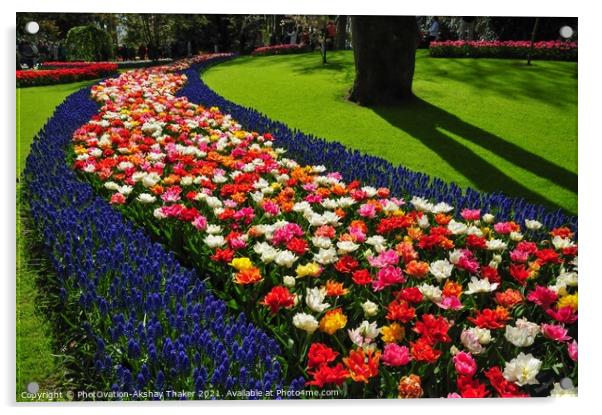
pixel 54 50
pixel 467 27
pixel 43 52
pixel 25 54
pixel 292 36
pixel 305 36
pixel 142 52
pixel 331 33
pixel 314 38
pixel 121 52
pixel 62 52
pixel 36 54
pixel 434 30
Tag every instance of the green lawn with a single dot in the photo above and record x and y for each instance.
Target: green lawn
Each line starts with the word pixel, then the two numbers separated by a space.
pixel 35 359
pixel 496 125
pixel 34 106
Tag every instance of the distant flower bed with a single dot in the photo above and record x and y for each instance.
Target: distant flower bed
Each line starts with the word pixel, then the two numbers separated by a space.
pixel 142 63
pixel 64 72
pixel 132 64
pixel 279 50
pixel 547 50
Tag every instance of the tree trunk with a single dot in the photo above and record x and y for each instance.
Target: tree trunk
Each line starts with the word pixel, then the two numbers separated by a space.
pixel 533 33
pixel 341 33
pixel 384 48
pixel 277 33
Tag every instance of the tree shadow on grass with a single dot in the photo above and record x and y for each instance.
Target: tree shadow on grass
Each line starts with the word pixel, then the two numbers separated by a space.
pixel 542 81
pixel 427 123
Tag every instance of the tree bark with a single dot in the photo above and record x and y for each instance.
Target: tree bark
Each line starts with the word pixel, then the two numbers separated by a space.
pixel 533 33
pixel 341 37
pixel 384 49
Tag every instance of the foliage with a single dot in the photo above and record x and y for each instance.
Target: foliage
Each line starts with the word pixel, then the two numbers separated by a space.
pixel 180 34
pixel 89 43
pixel 53 26
pixel 501 28
pixel 519 28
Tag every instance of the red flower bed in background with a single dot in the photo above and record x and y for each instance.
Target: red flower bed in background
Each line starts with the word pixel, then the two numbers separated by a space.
pixel 76 64
pixel 517 49
pixel 65 72
pixel 279 50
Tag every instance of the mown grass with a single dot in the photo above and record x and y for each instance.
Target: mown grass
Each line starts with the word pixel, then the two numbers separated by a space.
pixel 494 125
pixel 34 106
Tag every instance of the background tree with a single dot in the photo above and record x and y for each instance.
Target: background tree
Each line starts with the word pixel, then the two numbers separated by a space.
pixel 154 31
pixel 384 49
pixel 88 43
pixel 341 38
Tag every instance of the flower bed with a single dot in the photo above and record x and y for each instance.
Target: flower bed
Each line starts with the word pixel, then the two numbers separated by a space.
pixel 145 326
pixel 548 50
pixel 279 50
pixel 370 294
pixel 134 64
pixel 67 72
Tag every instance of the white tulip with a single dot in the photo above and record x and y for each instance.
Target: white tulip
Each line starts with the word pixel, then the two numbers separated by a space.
pixel 305 322
pixel 441 269
pixel 522 370
pixel 370 308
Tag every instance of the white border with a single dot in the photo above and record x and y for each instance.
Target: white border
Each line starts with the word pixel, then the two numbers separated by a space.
pixel 590 95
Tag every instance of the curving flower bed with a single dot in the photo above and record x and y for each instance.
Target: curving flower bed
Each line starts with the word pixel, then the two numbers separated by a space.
pixel 65 72
pixel 285 49
pixel 369 294
pixel 147 327
pixel 548 50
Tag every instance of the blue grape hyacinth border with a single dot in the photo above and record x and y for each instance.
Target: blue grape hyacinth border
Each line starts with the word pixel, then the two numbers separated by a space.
pixel 137 303
pixel 354 165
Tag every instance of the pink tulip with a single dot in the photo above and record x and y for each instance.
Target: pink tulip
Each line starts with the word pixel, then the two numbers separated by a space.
pixel 564 315
pixel 555 332
pixel 367 210
pixel 385 258
pixel 117 199
pixel 465 364
pixel 471 214
pixel 572 349
pixel 542 296
pixel 450 302
pixel 519 256
pixel 395 355
pixel 388 276
pixel 200 222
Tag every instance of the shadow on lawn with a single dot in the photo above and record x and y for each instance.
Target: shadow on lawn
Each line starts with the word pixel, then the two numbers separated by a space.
pixel 429 124
pixel 513 79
